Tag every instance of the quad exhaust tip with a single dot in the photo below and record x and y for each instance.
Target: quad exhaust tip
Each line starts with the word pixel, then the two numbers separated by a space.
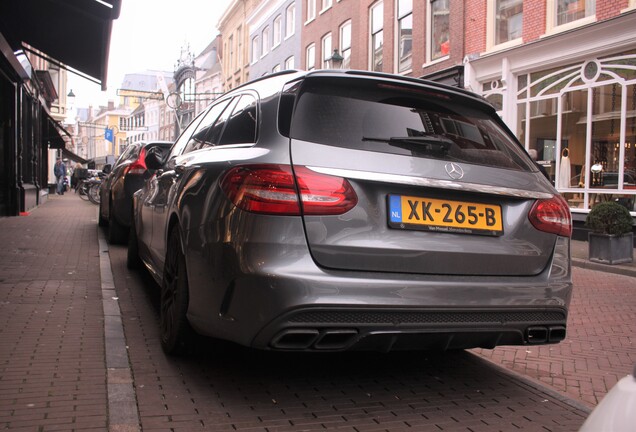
pixel 300 339
pixel 542 335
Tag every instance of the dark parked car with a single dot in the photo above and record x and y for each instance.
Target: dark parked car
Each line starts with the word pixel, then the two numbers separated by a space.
pixel 334 210
pixel 125 177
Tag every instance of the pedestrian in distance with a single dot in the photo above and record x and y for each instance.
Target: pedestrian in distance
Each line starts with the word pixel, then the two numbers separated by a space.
pixel 75 177
pixel 60 174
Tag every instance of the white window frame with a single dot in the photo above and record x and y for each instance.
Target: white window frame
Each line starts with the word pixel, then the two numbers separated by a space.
pixel 289 63
pixel 239 48
pixel 230 44
pixel 310 57
pixel 265 42
pixel 311 11
pixel 398 20
pixel 551 16
pixel 378 4
pixel 290 20
pixel 325 5
pixel 345 48
pixel 276 68
pixel 278 30
pixel 326 47
pixel 429 36
pixel 256 44
pixel 491 30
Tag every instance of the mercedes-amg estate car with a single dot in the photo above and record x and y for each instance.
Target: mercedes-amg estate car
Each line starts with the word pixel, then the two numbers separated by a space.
pixel 337 210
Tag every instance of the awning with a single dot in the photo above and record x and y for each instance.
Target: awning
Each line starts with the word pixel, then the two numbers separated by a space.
pixel 72 156
pixel 53 133
pixel 75 33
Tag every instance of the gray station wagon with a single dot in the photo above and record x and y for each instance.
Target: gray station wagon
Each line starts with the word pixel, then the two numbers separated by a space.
pixel 338 210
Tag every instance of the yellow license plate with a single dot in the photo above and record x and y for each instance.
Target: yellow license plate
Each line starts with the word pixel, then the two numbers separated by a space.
pixel 408 212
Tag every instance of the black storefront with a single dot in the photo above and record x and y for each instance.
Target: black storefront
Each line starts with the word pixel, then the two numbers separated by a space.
pixel 71 34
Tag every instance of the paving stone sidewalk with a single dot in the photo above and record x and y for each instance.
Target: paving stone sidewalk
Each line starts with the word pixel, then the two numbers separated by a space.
pixel 52 368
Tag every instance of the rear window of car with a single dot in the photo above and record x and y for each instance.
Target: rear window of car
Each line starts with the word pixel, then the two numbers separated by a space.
pixel 412 121
pixel 130 154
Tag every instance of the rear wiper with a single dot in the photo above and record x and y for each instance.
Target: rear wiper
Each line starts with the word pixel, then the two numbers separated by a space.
pixel 431 143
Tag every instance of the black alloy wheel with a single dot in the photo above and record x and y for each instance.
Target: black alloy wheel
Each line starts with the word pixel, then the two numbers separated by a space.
pixel 174 327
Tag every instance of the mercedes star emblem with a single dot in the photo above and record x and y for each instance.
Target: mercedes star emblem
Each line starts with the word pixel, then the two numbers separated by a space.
pixel 454 171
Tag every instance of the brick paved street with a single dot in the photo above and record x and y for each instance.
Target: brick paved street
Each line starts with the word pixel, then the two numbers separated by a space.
pixel 600 347
pixel 54 375
pixel 223 387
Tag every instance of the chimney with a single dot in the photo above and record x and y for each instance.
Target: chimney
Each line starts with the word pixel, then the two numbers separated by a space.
pixel 111 105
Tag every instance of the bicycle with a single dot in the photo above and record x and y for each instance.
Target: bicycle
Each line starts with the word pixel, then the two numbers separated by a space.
pixel 88 189
pixel 82 189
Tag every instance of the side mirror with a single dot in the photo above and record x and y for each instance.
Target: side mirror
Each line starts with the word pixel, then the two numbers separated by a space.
pixel 153 159
pixel 108 168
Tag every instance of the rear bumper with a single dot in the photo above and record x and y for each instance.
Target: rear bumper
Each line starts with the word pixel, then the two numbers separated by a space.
pixel 335 329
pixel 123 192
pixel 258 285
pixel 299 306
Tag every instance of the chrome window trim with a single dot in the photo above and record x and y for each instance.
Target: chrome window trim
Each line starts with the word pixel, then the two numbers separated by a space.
pixel 428 182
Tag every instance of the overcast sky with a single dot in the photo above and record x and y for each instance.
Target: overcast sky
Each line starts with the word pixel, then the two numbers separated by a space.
pixel 148 35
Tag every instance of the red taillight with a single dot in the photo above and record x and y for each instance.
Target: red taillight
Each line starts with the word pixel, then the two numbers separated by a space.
pixel 138 166
pixel 273 189
pixel 552 215
pixel 324 194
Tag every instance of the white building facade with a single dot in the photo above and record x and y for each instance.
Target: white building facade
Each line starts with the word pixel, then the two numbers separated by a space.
pixel 571 96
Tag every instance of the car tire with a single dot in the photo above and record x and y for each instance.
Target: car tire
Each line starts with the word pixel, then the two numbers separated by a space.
pixel 133 261
pixel 101 220
pixel 117 233
pixel 175 331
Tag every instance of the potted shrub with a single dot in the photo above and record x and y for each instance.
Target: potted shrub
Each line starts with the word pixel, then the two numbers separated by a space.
pixel 611 240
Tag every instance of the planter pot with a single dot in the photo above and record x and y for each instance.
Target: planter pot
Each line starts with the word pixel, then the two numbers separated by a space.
pixel 611 249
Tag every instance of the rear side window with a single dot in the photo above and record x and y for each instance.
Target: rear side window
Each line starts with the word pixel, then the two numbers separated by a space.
pixel 200 137
pixel 412 121
pixel 241 124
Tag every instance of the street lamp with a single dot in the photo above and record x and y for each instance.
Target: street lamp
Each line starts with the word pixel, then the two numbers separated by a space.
pixel 335 61
pixel 70 106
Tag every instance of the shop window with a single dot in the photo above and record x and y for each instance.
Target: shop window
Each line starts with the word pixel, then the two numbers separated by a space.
pixel 592 104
